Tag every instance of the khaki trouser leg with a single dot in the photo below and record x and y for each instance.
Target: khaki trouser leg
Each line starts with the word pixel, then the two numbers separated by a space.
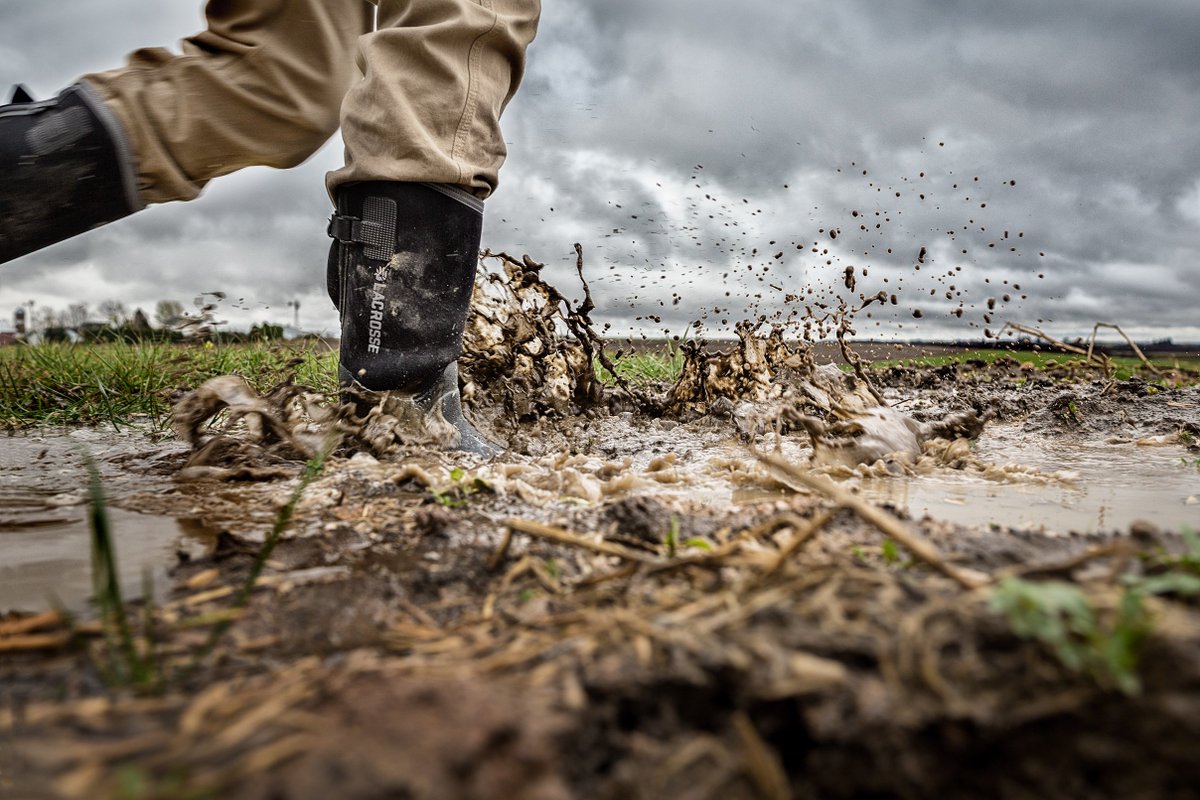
pixel 263 85
pixel 437 74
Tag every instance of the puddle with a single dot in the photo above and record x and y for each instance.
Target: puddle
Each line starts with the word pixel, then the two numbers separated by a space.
pixel 1113 484
pixel 1109 486
pixel 45 547
pixel 45 550
pixel 47 553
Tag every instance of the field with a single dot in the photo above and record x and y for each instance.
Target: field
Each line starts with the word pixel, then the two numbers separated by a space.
pixel 695 573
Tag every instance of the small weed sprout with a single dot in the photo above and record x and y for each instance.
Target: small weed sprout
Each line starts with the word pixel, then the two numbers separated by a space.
pixel 1061 617
pixel 891 552
pixel 128 663
pixel 671 540
pixel 460 489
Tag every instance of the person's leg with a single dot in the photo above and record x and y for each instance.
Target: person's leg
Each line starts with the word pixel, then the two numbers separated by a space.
pixel 262 85
pixel 423 148
pixel 436 76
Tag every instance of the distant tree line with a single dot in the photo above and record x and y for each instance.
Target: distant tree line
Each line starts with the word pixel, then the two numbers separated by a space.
pixel 112 322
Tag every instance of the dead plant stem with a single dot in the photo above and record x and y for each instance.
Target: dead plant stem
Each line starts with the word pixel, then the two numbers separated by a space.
pixel 562 536
pixel 919 547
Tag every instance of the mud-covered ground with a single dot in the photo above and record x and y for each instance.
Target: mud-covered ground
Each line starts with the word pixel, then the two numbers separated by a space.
pixel 645 597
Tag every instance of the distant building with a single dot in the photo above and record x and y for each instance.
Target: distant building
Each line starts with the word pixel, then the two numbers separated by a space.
pixel 8 333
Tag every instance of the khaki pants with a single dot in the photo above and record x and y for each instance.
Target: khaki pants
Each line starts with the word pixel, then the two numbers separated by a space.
pixel 264 84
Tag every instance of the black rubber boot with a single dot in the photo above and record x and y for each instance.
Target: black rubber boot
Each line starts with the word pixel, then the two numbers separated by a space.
pixel 64 169
pixel 401 272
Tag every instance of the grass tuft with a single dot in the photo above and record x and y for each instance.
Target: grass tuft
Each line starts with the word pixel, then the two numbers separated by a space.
pixel 654 366
pixel 282 520
pixel 128 664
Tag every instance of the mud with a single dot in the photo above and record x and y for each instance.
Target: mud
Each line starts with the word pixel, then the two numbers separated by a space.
pixel 630 602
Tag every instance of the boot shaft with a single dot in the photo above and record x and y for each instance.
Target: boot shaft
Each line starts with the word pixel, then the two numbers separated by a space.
pixel 401 272
pixel 64 169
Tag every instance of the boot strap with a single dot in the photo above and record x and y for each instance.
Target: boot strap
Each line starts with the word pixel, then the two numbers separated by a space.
pixel 352 230
pixel 376 231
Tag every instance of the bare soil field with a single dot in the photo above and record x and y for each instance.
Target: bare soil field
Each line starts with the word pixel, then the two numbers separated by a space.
pixel 682 590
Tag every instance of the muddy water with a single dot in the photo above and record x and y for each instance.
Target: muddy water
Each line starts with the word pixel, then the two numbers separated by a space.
pixel 1044 483
pixel 1084 484
pixel 45 550
pixel 1060 484
pixel 1105 485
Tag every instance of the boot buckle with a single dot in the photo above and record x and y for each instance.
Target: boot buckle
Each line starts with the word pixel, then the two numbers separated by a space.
pixel 352 230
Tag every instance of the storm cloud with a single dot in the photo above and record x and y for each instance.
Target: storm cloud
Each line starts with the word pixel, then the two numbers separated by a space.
pixel 705 153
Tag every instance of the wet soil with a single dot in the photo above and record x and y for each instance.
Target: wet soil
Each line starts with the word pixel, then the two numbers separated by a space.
pixel 631 604
pixel 733 586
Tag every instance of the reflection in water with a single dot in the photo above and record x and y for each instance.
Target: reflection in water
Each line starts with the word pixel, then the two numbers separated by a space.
pixel 45 552
pixel 45 549
pixel 1101 485
pixel 1110 485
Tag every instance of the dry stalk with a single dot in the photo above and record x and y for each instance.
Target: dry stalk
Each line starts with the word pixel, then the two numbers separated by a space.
pixel 1048 339
pixel 761 762
pixel 919 547
pixel 719 554
pixel 805 530
pixel 1137 350
pixel 15 627
pixel 1121 549
pixel 1092 356
pixel 562 536
pixel 624 571
pixel 34 641
pixel 501 551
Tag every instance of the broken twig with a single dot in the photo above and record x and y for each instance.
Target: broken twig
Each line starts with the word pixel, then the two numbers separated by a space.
pixel 562 536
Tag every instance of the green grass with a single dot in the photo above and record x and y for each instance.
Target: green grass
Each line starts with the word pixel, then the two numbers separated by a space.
pixel 282 520
pixel 1062 617
pixel 665 364
pixel 60 384
pixel 132 659
pixel 653 366
pixel 65 384
pixel 1125 366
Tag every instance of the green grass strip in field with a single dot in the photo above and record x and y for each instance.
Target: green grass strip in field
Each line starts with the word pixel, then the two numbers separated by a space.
pixel 63 384
pixel 1125 366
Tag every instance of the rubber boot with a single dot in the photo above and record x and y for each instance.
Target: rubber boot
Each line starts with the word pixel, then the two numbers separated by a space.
pixel 64 169
pixel 401 272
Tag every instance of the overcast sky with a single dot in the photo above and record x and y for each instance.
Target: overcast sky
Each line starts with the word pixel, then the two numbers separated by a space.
pixel 703 152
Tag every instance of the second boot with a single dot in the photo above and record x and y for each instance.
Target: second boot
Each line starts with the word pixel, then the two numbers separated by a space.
pixel 65 168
